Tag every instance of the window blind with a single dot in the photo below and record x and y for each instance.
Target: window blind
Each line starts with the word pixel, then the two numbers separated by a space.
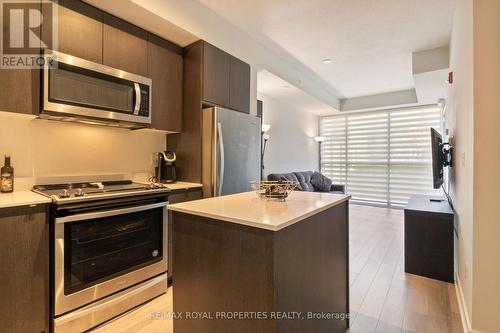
pixel 380 156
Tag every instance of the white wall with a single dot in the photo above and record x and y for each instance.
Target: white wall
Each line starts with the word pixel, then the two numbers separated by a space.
pixel 43 148
pixel 459 120
pixel 486 268
pixel 291 146
pixel 473 118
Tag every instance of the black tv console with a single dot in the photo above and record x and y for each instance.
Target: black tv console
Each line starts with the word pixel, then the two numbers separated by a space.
pixel 429 238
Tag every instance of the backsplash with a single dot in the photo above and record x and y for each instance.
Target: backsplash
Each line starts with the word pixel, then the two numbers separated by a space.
pixel 43 149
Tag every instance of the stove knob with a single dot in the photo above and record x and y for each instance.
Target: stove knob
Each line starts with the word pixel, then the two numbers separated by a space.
pixel 79 192
pixel 64 194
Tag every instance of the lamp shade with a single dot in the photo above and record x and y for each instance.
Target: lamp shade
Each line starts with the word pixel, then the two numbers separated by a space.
pixel 265 128
pixel 319 138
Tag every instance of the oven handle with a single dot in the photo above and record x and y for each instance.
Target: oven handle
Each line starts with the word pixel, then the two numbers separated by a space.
pixel 107 213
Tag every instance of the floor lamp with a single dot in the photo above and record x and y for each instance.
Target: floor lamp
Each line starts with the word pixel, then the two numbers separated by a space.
pixel 265 138
pixel 319 140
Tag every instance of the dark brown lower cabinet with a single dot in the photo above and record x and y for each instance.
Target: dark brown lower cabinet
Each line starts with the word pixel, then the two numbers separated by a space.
pixel 178 196
pixel 24 267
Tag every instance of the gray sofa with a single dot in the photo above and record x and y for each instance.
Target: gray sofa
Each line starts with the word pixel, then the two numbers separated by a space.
pixel 303 178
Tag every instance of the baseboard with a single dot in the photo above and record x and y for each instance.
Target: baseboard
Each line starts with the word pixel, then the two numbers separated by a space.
pixel 464 314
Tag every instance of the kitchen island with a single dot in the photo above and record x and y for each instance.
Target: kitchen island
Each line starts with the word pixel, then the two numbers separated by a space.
pixel 243 264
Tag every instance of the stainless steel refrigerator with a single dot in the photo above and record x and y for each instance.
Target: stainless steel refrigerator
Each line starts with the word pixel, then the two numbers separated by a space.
pixel 231 151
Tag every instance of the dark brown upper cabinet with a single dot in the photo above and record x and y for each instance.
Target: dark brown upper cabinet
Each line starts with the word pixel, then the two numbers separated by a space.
pixel 80 29
pixel 165 69
pixel 20 90
pixel 125 46
pixel 239 86
pixel 225 79
pixel 211 77
pixel 216 69
pixel 91 34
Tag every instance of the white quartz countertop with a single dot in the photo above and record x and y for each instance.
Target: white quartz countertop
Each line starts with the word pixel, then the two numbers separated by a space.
pixel 22 198
pixel 183 186
pixel 248 209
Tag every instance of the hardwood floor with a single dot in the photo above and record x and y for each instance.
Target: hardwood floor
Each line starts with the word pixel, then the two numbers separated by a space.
pixel 383 298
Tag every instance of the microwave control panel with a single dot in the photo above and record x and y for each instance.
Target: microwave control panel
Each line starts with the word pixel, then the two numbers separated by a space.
pixel 144 108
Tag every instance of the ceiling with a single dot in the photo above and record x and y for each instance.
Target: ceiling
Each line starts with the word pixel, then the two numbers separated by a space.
pixel 152 21
pixel 370 42
pixel 182 22
pixel 277 88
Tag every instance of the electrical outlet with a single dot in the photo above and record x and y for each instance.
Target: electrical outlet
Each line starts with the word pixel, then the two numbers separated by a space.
pixel 154 159
pixel 462 159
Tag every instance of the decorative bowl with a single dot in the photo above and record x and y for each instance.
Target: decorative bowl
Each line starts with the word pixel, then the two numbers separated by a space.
pixel 278 190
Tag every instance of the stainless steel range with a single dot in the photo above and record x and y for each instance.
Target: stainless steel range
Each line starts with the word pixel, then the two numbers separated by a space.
pixel 109 249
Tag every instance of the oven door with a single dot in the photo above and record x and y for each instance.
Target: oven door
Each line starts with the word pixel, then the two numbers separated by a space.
pixel 77 88
pixel 100 253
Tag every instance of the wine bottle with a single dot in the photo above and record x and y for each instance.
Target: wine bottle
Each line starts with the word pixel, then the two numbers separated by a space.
pixel 7 176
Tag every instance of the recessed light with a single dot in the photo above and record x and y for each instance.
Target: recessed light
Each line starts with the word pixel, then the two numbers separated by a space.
pixel 327 61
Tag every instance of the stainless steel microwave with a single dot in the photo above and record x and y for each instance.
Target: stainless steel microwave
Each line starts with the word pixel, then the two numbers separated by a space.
pixel 79 90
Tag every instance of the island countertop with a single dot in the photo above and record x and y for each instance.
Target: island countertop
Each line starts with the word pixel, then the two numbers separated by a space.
pixel 248 209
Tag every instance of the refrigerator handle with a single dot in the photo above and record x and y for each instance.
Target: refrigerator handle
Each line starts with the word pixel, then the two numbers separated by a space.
pixel 221 149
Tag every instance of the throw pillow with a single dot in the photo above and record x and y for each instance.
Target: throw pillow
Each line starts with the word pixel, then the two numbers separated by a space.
pixel 320 182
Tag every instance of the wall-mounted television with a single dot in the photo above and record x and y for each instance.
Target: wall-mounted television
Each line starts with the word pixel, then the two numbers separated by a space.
pixel 441 157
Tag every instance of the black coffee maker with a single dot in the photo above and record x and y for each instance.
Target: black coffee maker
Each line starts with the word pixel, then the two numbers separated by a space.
pixel 165 171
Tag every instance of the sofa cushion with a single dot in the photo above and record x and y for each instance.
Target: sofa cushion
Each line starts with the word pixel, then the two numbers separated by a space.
pixel 304 179
pixel 320 182
pixel 285 177
pixel 337 188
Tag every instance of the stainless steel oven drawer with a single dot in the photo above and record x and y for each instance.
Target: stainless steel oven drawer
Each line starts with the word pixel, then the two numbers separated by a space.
pixel 105 309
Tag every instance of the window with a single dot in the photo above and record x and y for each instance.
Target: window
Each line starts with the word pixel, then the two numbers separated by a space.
pixel 381 157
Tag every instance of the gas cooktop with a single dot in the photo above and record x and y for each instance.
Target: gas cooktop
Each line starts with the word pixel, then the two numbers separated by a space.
pixel 93 190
